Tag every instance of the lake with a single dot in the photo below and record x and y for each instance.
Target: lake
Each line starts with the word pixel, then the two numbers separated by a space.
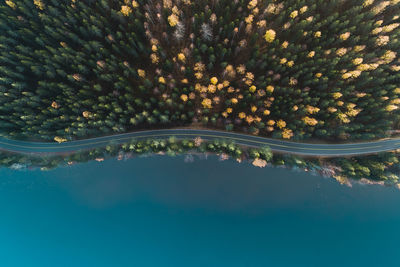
pixel 171 211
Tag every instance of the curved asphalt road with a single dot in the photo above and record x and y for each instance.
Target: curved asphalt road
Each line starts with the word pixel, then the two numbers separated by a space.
pixel 243 139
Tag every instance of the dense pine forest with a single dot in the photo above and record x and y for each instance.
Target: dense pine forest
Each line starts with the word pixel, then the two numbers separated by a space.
pixel 293 69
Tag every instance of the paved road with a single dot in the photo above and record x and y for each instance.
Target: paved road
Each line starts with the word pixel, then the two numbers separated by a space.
pixel 248 140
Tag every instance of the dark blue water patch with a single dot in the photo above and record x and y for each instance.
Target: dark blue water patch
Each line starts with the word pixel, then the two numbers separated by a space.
pixel 162 211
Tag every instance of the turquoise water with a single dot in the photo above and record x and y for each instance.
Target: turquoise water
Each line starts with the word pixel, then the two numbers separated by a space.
pixel 162 211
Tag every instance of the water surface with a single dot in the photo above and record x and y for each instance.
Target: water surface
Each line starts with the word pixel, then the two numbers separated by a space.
pixel 162 211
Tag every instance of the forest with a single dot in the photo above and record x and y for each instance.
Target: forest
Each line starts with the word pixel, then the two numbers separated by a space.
pixel 293 69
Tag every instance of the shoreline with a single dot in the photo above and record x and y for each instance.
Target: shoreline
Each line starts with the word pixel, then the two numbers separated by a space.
pixel 257 156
